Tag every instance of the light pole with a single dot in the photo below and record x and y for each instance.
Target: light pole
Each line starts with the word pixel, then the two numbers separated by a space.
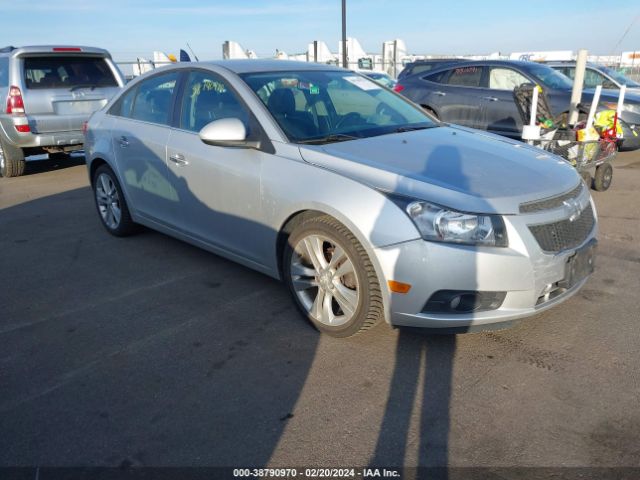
pixel 344 34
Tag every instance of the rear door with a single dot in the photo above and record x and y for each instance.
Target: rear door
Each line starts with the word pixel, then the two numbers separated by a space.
pixel 501 113
pixel 139 137
pixel 61 91
pixel 456 95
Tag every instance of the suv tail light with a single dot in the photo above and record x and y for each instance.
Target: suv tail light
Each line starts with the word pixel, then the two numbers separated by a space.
pixel 15 105
pixel 398 88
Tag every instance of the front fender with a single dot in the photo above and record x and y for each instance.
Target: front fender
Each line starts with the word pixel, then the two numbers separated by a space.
pixel 292 186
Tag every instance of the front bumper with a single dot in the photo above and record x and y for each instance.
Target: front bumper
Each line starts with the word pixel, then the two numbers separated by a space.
pixel 522 270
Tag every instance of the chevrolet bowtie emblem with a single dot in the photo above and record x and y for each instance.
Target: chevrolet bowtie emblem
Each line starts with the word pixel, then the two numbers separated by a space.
pixel 572 206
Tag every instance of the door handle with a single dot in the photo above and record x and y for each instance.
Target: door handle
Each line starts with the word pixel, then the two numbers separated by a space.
pixel 491 99
pixel 178 159
pixel 440 94
pixel 124 143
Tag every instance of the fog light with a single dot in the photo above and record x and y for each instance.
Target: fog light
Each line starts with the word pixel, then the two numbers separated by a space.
pixel 455 302
pixel 463 301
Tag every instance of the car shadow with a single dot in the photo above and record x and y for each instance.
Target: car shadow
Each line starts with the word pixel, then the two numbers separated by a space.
pixel 38 165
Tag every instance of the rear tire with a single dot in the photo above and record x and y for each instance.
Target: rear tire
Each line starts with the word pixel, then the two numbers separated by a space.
pixel 111 204
pixel 331 278
pixel 11 160
pixel 603 177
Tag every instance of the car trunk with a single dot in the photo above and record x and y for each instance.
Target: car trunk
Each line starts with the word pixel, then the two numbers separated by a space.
pixel 61 91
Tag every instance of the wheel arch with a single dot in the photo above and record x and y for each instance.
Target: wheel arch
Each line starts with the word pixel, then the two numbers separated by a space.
pixel 298 217
pixel 94 165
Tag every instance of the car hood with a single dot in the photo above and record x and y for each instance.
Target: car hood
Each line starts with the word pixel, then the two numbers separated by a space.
pixel 457 167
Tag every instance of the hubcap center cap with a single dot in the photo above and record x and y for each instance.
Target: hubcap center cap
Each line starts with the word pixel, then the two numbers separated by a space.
pixel 325 279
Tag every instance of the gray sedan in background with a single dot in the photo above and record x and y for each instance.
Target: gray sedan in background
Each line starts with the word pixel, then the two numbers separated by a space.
pixel 368 208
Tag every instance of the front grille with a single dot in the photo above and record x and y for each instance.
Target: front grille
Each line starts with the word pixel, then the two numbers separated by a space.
pixel 551 202
pixel 564 235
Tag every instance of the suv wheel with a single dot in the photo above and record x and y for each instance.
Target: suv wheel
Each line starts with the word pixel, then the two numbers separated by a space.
pixel 331 278
pixel 11 160
pixel 111 204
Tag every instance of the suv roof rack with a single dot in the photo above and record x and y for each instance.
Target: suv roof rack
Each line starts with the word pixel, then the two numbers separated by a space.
pixel 8 49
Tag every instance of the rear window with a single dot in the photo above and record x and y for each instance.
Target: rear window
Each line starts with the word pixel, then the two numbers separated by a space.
pixel 67 72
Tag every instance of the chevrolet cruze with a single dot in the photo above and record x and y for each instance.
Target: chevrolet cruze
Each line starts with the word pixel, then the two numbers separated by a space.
pixel 368 208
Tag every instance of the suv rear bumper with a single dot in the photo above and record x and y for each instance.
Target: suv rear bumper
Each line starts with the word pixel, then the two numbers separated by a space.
pixel 65 140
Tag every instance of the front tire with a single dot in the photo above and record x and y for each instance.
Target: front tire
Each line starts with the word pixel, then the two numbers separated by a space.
pixel 11 160
pixel 331 278
pixel 111 204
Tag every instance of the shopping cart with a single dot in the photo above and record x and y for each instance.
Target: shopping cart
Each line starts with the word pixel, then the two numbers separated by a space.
pixel 588 157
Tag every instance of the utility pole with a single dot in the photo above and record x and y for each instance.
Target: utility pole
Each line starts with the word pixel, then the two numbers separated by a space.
pixel 344 34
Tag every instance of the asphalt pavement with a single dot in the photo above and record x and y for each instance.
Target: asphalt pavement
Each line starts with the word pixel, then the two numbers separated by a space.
pixel 148 351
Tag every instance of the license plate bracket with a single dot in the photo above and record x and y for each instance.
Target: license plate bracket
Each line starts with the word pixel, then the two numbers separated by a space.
pixel 580 265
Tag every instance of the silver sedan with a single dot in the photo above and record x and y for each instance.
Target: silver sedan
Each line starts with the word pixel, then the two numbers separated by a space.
pixel 367 208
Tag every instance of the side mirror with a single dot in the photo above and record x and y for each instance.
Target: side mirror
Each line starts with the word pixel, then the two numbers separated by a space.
pixel 226 132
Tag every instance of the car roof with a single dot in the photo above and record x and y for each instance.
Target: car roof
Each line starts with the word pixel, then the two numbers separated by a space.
pixel 269 65
pixel 439 60
pixel 523 64
pixel 49 49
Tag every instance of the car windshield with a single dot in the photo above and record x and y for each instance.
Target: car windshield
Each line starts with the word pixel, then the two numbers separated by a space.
pixel 619 77
pixel 549 77
pixel 331 106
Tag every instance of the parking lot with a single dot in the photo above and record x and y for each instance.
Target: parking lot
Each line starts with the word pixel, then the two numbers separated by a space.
pixel 148 351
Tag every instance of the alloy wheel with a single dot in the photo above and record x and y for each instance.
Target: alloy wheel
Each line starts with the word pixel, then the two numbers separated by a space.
pixel 108 201
pixel 324 280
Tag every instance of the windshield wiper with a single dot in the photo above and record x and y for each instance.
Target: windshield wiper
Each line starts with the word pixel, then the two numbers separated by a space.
pixel 410 128
pixel 334 137
pixel 92 86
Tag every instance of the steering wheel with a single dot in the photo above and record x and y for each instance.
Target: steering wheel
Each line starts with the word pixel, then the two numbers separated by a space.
pixel 352 118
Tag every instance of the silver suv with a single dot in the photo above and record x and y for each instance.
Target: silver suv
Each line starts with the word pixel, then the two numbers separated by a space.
pixel 50 93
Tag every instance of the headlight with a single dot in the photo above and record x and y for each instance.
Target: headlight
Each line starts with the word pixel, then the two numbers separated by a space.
pixel 440 224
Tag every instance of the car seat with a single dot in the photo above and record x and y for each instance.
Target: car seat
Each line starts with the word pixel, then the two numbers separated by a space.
pixel 282 105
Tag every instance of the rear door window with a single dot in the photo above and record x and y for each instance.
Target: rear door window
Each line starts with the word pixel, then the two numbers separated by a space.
pixel 154 100
pixel 439 77
pixel 67 72
pixel 465 77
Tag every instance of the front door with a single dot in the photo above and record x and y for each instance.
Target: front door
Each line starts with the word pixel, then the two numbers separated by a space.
pixel 218 187
pixel 501 112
